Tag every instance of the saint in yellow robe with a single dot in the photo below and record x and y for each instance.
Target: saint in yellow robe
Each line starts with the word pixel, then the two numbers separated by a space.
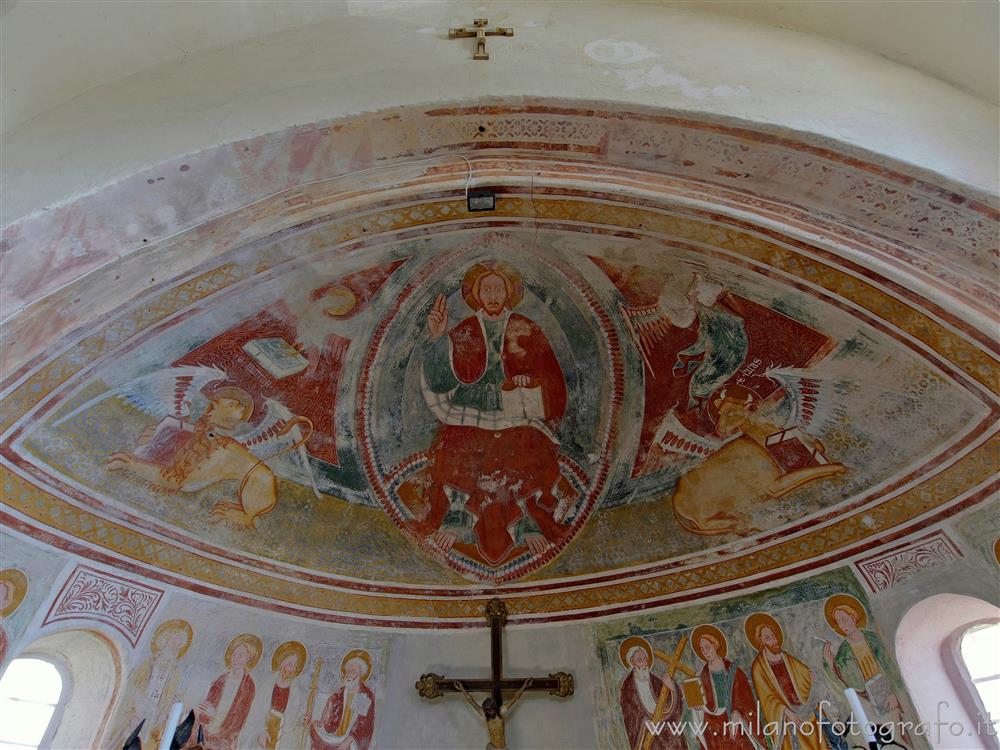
pixel 779 689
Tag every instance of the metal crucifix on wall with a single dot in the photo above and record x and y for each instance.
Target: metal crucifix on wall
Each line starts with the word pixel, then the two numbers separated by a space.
pixel 480 31
pixel 493 709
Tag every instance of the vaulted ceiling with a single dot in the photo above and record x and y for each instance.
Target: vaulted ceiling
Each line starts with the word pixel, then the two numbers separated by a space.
pixel 727 353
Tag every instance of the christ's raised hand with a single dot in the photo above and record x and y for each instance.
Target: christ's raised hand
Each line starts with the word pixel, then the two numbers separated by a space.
pixel 437 318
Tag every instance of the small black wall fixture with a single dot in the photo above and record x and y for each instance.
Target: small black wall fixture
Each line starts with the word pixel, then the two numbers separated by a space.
pixel 481 199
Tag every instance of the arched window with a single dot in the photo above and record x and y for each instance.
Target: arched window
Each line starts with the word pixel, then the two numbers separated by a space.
pixel 943 660
pixel 35 712
pixel 30 691
pixel 980 650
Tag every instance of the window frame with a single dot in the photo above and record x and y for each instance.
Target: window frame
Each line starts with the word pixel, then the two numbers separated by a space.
pixel 45 743
pixel 967 689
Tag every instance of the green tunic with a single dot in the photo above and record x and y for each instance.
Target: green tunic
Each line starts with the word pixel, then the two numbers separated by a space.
pixel 722 681
pixel 847 663
pixel 485 393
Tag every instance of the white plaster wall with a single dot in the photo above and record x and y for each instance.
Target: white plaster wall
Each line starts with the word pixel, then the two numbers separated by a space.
pixel 89 43
pixel 540 721
pixel 399 54
pixel 91 664
pixel 955 40
pixel 94 42
pixel 925 650
pixel 924 611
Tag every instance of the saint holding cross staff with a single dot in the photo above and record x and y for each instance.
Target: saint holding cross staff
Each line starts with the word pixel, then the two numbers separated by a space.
pixel 494 709
pixel 649 702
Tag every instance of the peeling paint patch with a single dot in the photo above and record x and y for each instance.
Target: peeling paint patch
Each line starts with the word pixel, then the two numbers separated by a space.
pixel 166 214
pixel 659 77
pixel 617 52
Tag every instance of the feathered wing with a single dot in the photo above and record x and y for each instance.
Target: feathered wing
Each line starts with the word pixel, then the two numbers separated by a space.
pixel 163 393
pixel 272 441
pixel 675 437
pixel 815 393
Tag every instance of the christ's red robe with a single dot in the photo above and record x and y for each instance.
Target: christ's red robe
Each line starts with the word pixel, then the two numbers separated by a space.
pixel 500 469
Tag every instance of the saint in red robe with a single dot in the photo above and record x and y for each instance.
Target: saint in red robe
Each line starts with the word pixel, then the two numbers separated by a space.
pixel 358 722
pixel 720 705
pixel 228 734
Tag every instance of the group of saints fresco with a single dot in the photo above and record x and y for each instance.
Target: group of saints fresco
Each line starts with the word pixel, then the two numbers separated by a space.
pixel 667 700
pixel 775 702
pixel 726 384
pixel 283 703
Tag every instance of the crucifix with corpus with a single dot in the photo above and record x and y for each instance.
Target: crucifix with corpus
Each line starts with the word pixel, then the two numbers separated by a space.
pixel 494 710
pixel 480 32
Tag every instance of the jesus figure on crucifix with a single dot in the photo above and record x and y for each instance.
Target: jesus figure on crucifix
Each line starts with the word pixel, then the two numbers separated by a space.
pixel 494 709
pixel 494 716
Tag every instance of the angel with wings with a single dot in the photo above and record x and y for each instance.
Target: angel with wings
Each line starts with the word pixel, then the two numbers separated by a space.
pixel 182 452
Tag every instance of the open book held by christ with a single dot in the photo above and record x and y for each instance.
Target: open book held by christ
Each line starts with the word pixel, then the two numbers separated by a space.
pixel 522 404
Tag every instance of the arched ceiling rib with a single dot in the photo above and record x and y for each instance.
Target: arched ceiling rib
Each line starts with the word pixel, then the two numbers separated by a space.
pixel 612 219
pixel 101 42
pixel 374 56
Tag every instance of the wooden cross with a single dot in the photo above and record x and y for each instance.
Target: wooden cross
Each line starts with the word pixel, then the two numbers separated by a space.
pixel 433 685
pixel 480 31
pixel 673 664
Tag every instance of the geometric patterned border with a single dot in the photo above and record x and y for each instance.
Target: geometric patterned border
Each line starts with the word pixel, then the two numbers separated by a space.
pixel 955 232
pixel 255 587
pixel 892 567
pixel 890 516
pixel 961 352
pixel 91 594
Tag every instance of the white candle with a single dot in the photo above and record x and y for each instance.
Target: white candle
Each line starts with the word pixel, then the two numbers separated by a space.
pixel 867 729
pixel 173 719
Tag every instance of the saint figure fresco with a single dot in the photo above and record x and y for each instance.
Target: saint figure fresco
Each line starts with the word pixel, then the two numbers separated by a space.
pixel 493 382
pixel 784 686
pixel 729 708
pixel 348 720
pixel 225 709
pixel 156 684
pixel 286 700
pixel 646 697
pixel 860 660
pixel 13 587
